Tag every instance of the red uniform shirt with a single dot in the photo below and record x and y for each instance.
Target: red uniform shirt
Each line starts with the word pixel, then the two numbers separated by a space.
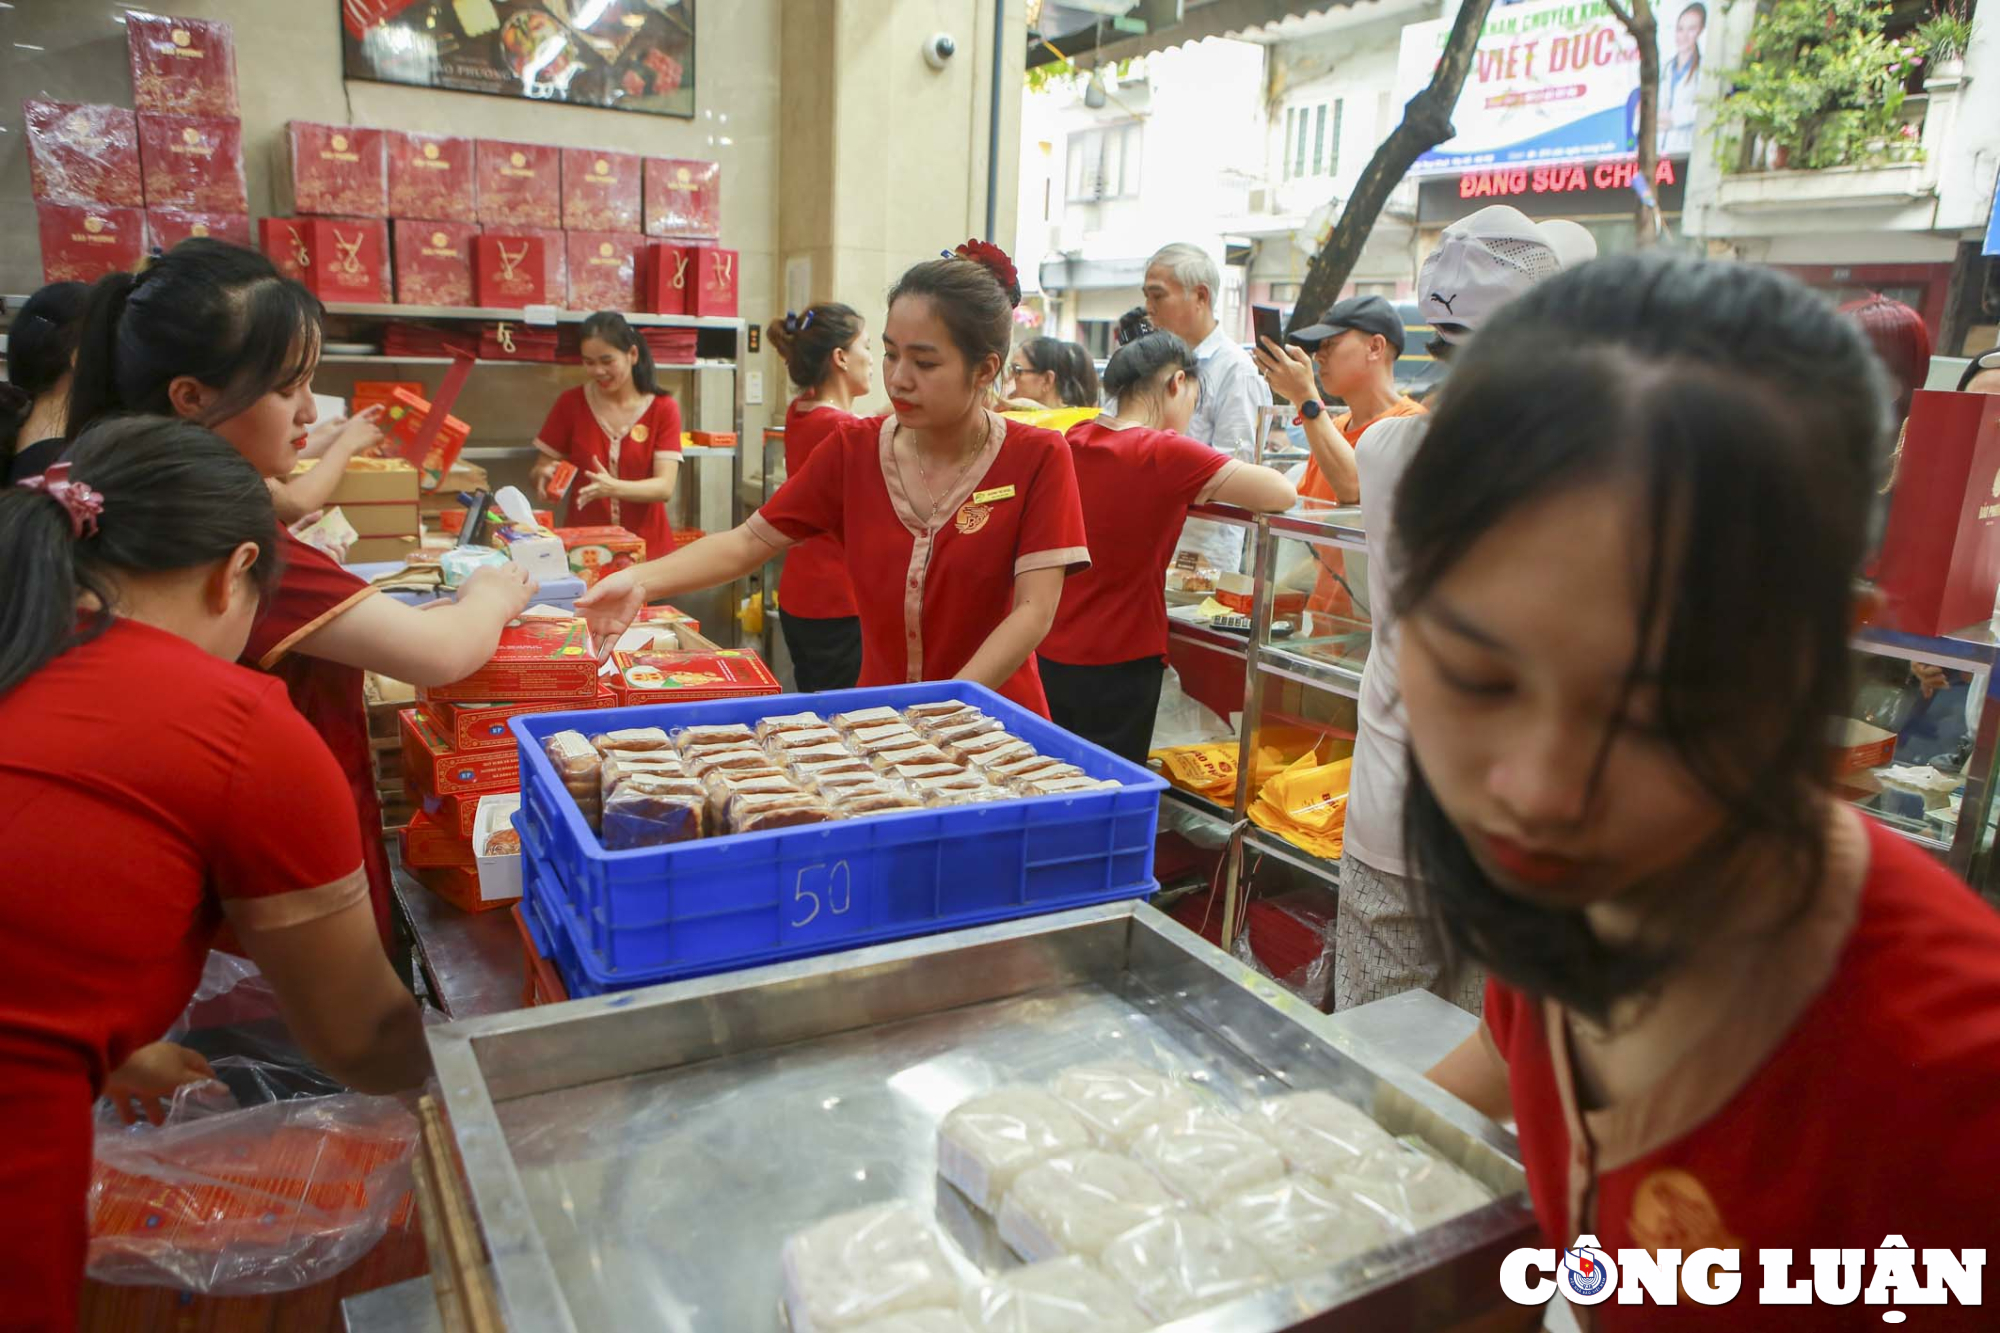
pixel 142 782
pixel 575 432
pixel 1877 1113
pixel 929 592
pixel 814 581
pixel 327 694
pixel 1136 486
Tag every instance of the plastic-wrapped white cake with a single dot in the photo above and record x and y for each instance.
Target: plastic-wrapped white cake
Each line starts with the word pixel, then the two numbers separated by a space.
pixel 1300 1226
pixel 859 1266
pixel 1205 1156
pixel 986 1142
pixel 1410 1187
pixel 918 1321
pixel 1184 1262
pixel 1078 1205
pixel 1062 1296
pixel 1319 1134
pixel 1119 1099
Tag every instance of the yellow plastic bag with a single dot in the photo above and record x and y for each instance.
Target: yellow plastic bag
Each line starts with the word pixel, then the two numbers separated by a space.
pixel 1306 804
pixel 1057 419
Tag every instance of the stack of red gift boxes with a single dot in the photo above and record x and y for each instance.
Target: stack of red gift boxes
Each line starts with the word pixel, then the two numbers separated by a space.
pixel 435 220
pixel 111 184
pixel 457 748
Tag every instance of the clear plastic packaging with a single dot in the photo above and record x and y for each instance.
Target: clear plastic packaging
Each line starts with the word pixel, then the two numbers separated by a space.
pixel 985 1143
pixel 806 754
pixel 1206 1156
pixel 864 717
pixel 780 813
pixel 575 758
pixel 615 771
pixel 1025 766
pixel 814 769
pixel 1319 1134
pixel 1410 1187
pixel 633 818
pixel 1301 1226
pixel 703 762
pixel 805 738
pixel 734 733
pixel 917 771
pixel 853 804
pixel 1120 1099
pixel 922 713
pixel 772 726
pixel 969 749
pixel 1180 1263
pixel 828 781
pixel 1062 784
pixel 645 739
pixel 1008 751
pixel 859 1266
pixel 963 715
pixel 955 732
pixel 882 735
pixel 1062 1296
pixel 917 1321
pixel 224 1199
pixel 1078 1204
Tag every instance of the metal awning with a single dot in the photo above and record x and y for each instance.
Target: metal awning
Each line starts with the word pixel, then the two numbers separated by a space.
pixel 1066 273
pixel 1200 19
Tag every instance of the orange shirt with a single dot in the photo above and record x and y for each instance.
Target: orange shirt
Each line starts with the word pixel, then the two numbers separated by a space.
pixel 1330 596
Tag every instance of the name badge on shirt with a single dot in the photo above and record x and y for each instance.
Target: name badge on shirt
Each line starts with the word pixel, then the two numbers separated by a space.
pixel 639 432
pixel 997 493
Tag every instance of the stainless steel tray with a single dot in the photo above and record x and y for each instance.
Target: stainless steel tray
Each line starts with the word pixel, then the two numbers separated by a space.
pixel 636 1160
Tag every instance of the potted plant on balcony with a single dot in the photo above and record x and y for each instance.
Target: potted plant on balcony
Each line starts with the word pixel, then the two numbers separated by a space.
pixel 1819 86
pixel 1943 38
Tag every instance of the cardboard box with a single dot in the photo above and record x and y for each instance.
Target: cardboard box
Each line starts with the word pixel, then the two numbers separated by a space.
pixel 484 726
pixel 455 814
pixel 82 244
pixel 683 198
pixel 539 551
pixel 434 262
pixel 83 154
pixel 715 283
pixel 499 872
pixel 286 242
pixel 669 277
pixel 1940 555
pixel 431 176
pixel 687 677
pixel 382 550
pixel 520 184
pixel 404 418
pixel 168 227
pixel 509 270
pixel 600 191
pixel 444 500
pixel 603 270
pixel 383 520
pixel 431 763
pixel 595 552
pixel 183 66
pixel 536 659
pixel 1858 746
pixel 332 170
pixel 193 162
pixel 427 845
pixel 350 259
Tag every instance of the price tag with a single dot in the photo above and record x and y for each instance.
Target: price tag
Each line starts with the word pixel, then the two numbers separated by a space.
pixel 539 315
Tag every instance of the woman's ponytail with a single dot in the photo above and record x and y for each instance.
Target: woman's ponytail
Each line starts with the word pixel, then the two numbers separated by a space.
pixel 137 495
pixel 93 384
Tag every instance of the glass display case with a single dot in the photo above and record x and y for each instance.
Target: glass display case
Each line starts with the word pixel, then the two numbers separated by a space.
pixel 1916 748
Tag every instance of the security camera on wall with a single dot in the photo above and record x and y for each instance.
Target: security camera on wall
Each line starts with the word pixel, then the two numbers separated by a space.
pixel 939 48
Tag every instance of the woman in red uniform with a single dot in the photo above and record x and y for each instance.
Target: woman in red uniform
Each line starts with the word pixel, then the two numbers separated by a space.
pixel 621 432
pixel 1726 1009
pixel 153 789
pixel 827 355
pixel 958 525
pixel 1137 472
pixel 211 333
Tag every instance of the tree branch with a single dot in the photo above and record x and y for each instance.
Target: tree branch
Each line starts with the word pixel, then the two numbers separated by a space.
pixel 1426 123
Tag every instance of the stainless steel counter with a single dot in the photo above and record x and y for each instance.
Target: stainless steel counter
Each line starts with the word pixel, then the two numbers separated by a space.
pixel 471 961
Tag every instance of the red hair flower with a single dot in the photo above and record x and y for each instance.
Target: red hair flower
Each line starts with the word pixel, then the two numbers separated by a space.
pixel 995 261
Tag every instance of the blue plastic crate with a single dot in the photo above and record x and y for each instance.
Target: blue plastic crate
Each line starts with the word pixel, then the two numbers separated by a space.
pixel 663 913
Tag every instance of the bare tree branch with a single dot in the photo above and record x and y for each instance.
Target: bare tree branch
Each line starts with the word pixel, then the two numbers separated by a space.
pixel 1426 124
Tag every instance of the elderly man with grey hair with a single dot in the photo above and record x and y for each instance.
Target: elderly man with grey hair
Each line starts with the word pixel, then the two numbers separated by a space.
pixel 1182 283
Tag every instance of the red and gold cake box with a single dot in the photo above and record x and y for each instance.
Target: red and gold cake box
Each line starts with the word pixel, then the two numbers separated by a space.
pixel 431 176
pixel 168 227
pixel 536 659
pixel 350 259
pixel 484 726
pixel 509 269
pixel 193 162
pixel 333 170
pixel 435 767
pixel 434 262
pixel 82 154
pixel 657 677
pixel 183 66
pixel 520 184
pixel 82 244
pixel 600 191
pixel 604 270
pixel 683 198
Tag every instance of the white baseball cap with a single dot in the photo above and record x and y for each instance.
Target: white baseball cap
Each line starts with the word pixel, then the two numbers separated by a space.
pixel 1488 258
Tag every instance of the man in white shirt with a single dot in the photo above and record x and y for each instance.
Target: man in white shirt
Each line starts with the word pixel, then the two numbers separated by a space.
pixel 1481 263
pixel 1181 286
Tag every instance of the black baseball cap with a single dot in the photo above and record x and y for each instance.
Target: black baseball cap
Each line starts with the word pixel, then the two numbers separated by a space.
pixel 1369 314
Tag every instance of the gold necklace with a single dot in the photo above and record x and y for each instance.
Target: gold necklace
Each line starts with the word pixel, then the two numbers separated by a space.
pixel 924 475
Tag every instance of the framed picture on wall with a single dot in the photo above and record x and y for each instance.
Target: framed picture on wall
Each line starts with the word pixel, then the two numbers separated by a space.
pixel 629 55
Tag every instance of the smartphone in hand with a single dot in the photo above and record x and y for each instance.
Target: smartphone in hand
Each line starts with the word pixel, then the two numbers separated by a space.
pixel 1266 321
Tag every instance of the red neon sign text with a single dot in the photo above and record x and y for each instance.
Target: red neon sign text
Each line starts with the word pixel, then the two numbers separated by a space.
pixel 1557 180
